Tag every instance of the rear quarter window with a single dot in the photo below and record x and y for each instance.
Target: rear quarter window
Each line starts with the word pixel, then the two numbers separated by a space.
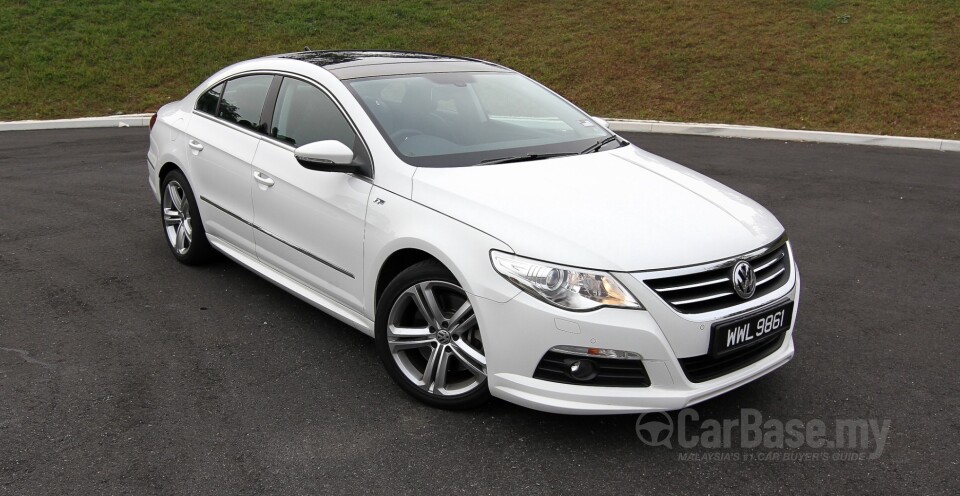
pixel 207 103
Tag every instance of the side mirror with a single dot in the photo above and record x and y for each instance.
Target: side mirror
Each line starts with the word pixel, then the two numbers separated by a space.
pixel 602 122
pixel 326 156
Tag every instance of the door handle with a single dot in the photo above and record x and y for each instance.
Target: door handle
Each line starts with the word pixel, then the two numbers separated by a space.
pixel 263 178
pixel 196 145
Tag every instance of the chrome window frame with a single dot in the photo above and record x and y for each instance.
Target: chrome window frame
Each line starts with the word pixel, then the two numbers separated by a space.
pixel 273 140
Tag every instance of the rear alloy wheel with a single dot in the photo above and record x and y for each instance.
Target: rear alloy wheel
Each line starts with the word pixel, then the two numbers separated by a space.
pixel 181 220
pixel 429 340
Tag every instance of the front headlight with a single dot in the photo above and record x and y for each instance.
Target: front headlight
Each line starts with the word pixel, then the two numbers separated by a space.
pixel 565 287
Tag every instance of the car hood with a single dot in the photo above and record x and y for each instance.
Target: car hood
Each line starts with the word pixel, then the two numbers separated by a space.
pixel 619 210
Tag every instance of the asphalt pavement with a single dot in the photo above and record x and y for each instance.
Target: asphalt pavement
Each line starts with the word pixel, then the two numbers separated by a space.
pixel 122 371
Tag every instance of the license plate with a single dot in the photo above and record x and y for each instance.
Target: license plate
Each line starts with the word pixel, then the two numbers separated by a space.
pixel 747 331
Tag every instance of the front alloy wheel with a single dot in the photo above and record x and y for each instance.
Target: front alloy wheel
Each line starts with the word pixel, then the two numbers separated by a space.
pixel 429 339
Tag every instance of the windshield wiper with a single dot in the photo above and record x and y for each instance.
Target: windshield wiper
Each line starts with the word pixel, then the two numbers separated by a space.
pixel 540 156
pixel 598 145
pixel 524 158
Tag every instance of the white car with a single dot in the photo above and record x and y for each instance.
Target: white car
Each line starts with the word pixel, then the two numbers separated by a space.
pixel 493 238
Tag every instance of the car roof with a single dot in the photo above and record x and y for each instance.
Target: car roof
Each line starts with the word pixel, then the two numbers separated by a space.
pixel 352 64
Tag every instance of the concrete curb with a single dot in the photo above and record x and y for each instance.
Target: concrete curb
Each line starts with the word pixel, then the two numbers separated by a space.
pixel 128 120
pixel 620 125
pixel 733 131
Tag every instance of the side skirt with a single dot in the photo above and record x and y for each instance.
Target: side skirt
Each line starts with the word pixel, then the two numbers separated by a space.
pixel 346 315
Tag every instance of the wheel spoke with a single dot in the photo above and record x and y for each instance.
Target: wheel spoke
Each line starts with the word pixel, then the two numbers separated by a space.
pixel 477 371
pixel 181 238
pixel 415 294
pixel 465 311
pixel 171 217
pixel 466 325
pixel 407 344
pixel 405 338
pixel 440 381
pixel 175 196
pixel 186 218
pixel 430 299
pixel 430 369
pixel 469 353
pixel 408 332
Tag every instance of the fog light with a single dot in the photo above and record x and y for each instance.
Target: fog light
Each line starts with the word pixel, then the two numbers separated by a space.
pixel 582 370
pixel 597 352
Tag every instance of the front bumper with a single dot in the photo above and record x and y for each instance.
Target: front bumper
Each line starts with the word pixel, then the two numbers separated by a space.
pixel 520 331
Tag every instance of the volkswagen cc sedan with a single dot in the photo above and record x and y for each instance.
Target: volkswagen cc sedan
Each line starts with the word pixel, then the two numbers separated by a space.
pixel 490 236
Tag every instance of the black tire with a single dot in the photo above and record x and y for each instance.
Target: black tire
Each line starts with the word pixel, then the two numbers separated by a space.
pixel 195 249
pixel 461 337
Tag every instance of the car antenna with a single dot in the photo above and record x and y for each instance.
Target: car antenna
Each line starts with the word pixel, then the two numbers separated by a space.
pixel 306 48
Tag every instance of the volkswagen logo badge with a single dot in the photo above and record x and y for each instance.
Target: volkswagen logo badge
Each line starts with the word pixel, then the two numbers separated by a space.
pixel 744 280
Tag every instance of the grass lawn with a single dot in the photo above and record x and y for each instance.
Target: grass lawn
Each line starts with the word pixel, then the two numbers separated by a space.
pixel 873 66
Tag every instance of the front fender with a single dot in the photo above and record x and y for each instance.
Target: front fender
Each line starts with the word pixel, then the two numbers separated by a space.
pixel 398 223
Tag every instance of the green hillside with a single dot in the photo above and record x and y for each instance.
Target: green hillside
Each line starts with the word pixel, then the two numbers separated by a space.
pixel 888 67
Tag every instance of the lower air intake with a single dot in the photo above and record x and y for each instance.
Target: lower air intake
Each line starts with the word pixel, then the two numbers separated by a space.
pixel 556 367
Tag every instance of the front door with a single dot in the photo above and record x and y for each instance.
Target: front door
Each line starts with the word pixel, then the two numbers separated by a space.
pixel 310 224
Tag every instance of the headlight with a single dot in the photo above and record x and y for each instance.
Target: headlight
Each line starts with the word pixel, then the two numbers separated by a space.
pixel 565 287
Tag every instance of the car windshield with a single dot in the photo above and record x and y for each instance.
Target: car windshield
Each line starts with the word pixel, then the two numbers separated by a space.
pixel 461 119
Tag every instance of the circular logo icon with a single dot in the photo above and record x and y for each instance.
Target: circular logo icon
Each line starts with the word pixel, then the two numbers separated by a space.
pixel 443 336
pixel 744 280
pixel 655 429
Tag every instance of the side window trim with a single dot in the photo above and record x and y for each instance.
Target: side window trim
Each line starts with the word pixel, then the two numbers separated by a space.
pixel 223 89
pixel 269 104
pixel 271 101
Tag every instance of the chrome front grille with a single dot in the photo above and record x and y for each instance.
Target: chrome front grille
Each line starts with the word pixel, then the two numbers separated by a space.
pixel 712 289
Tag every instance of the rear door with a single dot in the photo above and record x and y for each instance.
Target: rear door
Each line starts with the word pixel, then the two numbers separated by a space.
pixel 223 138
pixel 310 224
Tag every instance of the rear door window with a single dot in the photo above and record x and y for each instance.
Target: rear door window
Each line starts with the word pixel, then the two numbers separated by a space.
pixel 242 101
